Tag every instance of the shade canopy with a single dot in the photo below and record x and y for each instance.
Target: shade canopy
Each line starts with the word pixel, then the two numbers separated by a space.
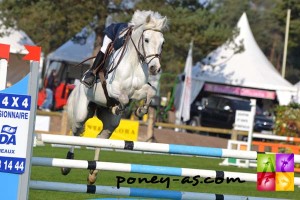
pixel 248 69
pixel 16 39
pixel 76 49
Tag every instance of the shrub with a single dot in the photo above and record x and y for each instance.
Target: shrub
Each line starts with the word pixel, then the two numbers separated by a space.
pixel 288 120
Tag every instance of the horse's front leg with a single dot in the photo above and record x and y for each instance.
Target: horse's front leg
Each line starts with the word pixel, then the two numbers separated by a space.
pixel 110 123
pixel 147 92
pixel 123 101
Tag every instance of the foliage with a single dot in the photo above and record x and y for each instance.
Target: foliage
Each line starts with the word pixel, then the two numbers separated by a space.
pixel 288 120
pixel 185 25
pixel 51 23
pixel 209 24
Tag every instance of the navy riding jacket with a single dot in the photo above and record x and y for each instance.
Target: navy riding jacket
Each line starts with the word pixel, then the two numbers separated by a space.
pixel 113 31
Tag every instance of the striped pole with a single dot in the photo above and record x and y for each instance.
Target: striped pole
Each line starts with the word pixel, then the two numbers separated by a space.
pixel 133 192
pixel 152 147
pixel 276 137
pixel 148 169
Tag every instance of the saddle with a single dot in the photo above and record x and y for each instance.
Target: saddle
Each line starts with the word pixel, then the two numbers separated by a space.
pixel 101 71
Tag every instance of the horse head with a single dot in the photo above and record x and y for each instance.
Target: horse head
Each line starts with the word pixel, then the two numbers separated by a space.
pixel 149 26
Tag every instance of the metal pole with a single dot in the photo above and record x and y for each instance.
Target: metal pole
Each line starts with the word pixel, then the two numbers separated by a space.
pixel 3 73
pixel 286 42
pixel 32 91
pixel 251 121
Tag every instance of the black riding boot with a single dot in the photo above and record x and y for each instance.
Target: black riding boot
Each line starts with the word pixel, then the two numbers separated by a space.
pixel 89 76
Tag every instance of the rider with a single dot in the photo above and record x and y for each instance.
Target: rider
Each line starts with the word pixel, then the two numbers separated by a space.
pixel 111 34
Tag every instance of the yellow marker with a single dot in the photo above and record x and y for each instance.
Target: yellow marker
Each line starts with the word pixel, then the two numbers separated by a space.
pixel 127 130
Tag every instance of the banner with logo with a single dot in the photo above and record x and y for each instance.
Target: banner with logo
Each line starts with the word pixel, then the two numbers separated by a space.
pixel 127 130
pixel 14 123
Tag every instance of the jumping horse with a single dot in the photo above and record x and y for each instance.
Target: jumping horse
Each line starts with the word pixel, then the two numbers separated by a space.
pixel 128 71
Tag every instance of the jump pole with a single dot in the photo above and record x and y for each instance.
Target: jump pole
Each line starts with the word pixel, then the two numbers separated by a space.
pixel 134 192
pixel 152 147
pixel 276 137
pixel 17 127
pixel 146 169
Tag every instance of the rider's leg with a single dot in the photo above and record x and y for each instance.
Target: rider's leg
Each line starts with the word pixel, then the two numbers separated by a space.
pixel 89 76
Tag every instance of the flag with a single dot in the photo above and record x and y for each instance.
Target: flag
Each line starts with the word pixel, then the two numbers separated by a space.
pixel 34 53
pixel 4 51
pixel 185 104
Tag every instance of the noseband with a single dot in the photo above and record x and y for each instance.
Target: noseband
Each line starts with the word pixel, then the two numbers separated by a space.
pixel 143 56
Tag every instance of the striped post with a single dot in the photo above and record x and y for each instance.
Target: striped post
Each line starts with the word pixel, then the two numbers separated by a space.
pixel 133 192
pixel 147 169
pixel 152 147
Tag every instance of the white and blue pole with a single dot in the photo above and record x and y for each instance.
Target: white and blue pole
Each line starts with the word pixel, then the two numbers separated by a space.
pixel 134 192
pixel 152 147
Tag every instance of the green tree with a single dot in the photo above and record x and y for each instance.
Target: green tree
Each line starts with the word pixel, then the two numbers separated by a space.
pixel 293 59
pixel 51 23
pixel 210 24
pixel 202 24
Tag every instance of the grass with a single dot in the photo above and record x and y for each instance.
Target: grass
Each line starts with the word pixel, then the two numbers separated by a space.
pixel 109 178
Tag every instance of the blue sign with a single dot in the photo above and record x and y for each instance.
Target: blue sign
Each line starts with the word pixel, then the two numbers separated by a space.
pixel 15 101
pixel 14 123
pixel 12 165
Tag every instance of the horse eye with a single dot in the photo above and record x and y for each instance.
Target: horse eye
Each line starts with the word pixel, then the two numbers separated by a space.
pixel 147 40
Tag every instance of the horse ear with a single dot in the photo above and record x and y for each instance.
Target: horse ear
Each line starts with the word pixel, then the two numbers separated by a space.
pixel 148 19
pixel 164 22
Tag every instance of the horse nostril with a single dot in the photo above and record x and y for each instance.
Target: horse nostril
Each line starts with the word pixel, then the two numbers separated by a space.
pixel 152 68
pixel 158 70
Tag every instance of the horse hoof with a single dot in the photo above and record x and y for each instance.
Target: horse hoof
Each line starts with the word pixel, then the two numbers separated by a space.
pixel 91 178
pixel 70 155
pixel 65 171
pixel 116 110
pixel 140 112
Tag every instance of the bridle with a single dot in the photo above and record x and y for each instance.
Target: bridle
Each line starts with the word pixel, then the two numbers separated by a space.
pixel 143 56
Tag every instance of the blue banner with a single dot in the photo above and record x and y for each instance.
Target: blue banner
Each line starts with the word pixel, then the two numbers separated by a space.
pixel 12 165
pixel 15 101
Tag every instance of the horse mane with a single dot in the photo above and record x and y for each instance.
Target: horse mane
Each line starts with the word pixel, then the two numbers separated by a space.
pixel 157 20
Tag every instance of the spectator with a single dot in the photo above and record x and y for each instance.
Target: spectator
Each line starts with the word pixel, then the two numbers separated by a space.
pixel 50 87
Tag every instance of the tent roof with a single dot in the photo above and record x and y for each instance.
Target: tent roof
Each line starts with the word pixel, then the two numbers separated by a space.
pixel 16 39
pixel 249 68
pixel 76 50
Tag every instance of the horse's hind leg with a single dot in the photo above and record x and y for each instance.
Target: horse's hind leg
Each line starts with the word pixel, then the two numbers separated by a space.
pixel 110 123
pixel 78 115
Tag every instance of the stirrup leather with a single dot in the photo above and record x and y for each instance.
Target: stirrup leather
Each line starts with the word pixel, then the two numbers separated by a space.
pixel 90 80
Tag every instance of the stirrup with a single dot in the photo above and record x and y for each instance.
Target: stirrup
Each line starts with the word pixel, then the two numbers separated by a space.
pixel 88 84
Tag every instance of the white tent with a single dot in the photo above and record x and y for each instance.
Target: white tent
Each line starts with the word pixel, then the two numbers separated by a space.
pixel 16 39
pixel 75 50
pixel 17 67
pixel 297 97
pixel 248 73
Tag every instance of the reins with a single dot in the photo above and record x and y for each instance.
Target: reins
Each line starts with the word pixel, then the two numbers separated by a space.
pixel 140 55
pixel 85 61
